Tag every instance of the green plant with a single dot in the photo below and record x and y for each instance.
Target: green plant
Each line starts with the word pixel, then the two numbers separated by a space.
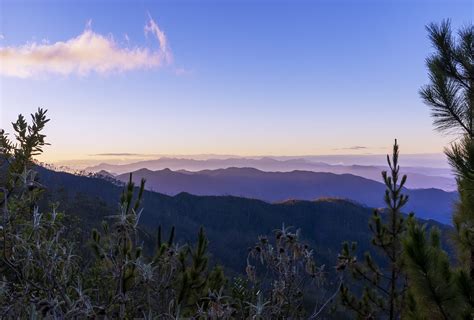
pixel 384 283
pixel 439 289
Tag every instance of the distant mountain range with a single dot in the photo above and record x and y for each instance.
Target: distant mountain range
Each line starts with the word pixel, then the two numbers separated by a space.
pixel 419 177
pixel 232 224
pixel 301 185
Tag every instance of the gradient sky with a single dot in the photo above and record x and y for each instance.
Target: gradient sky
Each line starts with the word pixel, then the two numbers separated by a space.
pixel 243 77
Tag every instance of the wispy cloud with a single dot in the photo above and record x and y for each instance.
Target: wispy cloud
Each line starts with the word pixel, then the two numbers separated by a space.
pixel 120 154
pixel 164 52
pixel 353 148
pixel 87 53
pixel 356 148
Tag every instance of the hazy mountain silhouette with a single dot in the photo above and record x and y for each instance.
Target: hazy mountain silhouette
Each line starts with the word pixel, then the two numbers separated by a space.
pixel 280 186
pixel 420 177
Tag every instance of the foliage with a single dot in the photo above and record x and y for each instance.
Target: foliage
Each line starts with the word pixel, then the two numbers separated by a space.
pixel 38 265
pixel 451 98
pixel 385 287
pixel 461 158
pixel 45 269
pixel 439 289
pixel 450 69
pixel 281 272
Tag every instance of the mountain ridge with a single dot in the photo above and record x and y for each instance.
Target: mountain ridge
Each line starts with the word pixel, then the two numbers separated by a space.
pixel 421 177
pixel 298 184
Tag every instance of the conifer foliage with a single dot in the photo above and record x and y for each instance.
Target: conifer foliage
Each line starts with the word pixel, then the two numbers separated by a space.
pixel 383 284
pixel 439 289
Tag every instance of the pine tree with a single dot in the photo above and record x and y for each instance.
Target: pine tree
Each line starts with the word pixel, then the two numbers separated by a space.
pixel 176 282
pixel 119 253
pixel 385 283
pixel 194 280
pixel 451 98
pixel 439 290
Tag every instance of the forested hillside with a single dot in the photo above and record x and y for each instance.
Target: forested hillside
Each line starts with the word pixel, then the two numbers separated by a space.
pixel 231 223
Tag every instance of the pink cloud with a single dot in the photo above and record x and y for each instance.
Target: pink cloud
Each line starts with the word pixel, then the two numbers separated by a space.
pixel 87 53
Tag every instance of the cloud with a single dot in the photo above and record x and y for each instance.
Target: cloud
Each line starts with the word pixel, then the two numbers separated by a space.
pixel 87 53
pixel 357 148
pixel 119 154
pixel 353 148
pixel 152 27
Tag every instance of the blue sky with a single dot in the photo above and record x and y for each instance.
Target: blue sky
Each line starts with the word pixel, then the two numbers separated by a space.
pixel 247 77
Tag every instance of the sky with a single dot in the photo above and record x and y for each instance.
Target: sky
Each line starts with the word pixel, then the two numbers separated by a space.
pixel 222 77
